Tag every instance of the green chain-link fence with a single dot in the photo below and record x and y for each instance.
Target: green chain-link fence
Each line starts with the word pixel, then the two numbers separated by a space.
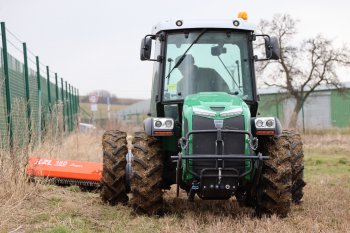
pixel 31 99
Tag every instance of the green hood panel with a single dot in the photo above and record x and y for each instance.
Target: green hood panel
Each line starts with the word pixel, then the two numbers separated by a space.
pixel 213 99
pixel 214 102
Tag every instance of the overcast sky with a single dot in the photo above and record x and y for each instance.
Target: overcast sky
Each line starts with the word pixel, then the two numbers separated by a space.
pixel 95 44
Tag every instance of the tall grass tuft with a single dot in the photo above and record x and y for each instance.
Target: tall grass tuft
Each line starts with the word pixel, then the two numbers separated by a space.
pixel 14 187
pixel 13 161
pixel 332 131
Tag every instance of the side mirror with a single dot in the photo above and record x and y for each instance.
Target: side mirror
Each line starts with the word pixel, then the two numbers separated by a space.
pixel 218 50
pixel 146 48
pixel 272 48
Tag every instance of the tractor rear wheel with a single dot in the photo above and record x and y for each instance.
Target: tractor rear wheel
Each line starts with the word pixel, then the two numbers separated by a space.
pixel 297 160
pixel 274 193
pixel 114 162
pixel 147 171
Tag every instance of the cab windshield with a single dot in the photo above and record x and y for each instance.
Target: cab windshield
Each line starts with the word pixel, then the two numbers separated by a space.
pixel 217 62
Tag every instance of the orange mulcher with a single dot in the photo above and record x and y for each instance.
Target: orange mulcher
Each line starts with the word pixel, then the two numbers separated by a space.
pixel 66 172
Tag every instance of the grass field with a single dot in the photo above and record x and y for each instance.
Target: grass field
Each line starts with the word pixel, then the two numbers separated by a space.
pixel 326 208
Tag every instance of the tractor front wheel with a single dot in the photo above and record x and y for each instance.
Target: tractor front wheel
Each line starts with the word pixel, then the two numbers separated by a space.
pixel 146 178
pixel 297 161
pixel 113 189
pixel 274 192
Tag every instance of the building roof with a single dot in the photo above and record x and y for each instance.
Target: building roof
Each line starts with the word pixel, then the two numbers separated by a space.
pixel 322 87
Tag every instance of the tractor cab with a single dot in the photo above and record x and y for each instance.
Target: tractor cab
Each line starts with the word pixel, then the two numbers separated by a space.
pixel 202 56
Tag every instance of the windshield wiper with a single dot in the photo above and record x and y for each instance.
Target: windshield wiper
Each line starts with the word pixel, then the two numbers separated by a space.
pixel 184 54
pixel 233 79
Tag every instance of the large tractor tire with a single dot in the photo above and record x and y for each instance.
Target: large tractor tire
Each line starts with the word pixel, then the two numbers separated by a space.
pixel 274 192
pixel 113 189
pixel 147 170
pixel 297 160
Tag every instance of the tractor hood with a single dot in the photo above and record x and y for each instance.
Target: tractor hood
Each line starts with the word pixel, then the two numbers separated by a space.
pixel 207 111
pixel 215 105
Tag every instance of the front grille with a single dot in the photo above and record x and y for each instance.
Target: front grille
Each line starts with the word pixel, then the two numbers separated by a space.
pixel 205 143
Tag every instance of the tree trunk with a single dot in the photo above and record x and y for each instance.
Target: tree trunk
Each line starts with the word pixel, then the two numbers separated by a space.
pixel 294 118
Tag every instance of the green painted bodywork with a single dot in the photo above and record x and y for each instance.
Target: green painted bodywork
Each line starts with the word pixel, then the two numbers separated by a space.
pixel 272 105
pixel 340 104
pixel 205 101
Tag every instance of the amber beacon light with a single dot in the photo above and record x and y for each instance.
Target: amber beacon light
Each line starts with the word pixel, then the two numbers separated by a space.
pixel 243 15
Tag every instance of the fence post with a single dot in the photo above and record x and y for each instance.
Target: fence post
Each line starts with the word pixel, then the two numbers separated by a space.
pixel 56 86
pixel 63 105
pixel 67 107
pixel 77 94
pixel 74 107
pixel 26 78
pixel 7 85
pixel 78 99
pixel 39 99
pixel 48 88
pixel 70 107
pixel 75 100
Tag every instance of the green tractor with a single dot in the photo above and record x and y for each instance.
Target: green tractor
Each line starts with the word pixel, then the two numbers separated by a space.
pixel 203 133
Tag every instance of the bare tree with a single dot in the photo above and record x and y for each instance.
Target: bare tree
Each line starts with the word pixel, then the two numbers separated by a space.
pixel 303 67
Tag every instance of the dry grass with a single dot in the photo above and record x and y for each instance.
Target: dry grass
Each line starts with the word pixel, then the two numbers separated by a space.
pixel 333 131
pixel 55 209
pixel 102 109
pixel 327 143
pixel 13 187
pixel 76 146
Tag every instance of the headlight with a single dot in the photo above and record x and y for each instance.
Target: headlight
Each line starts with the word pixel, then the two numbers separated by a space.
pixel 161 123
pixel 158 124
pixel 168 123
pixel 259 123
pixel 231 112
pixel 265 122
pixel 269 123
pixel 203 112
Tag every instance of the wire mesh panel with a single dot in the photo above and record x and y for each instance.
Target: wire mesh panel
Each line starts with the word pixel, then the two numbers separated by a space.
pixel 45 106
pixel 53 93
pixel 44 101
pixel 18 101
pixel 59 94
pixel 3 120
pixel 34 103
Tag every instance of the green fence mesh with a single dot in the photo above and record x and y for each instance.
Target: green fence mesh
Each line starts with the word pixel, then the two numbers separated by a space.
pixel 53 92
pixel 43 110
pixel 34 102
pixel 18 100
pixel 3 121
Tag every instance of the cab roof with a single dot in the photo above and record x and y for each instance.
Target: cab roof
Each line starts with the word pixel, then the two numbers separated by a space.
pixel 178 24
